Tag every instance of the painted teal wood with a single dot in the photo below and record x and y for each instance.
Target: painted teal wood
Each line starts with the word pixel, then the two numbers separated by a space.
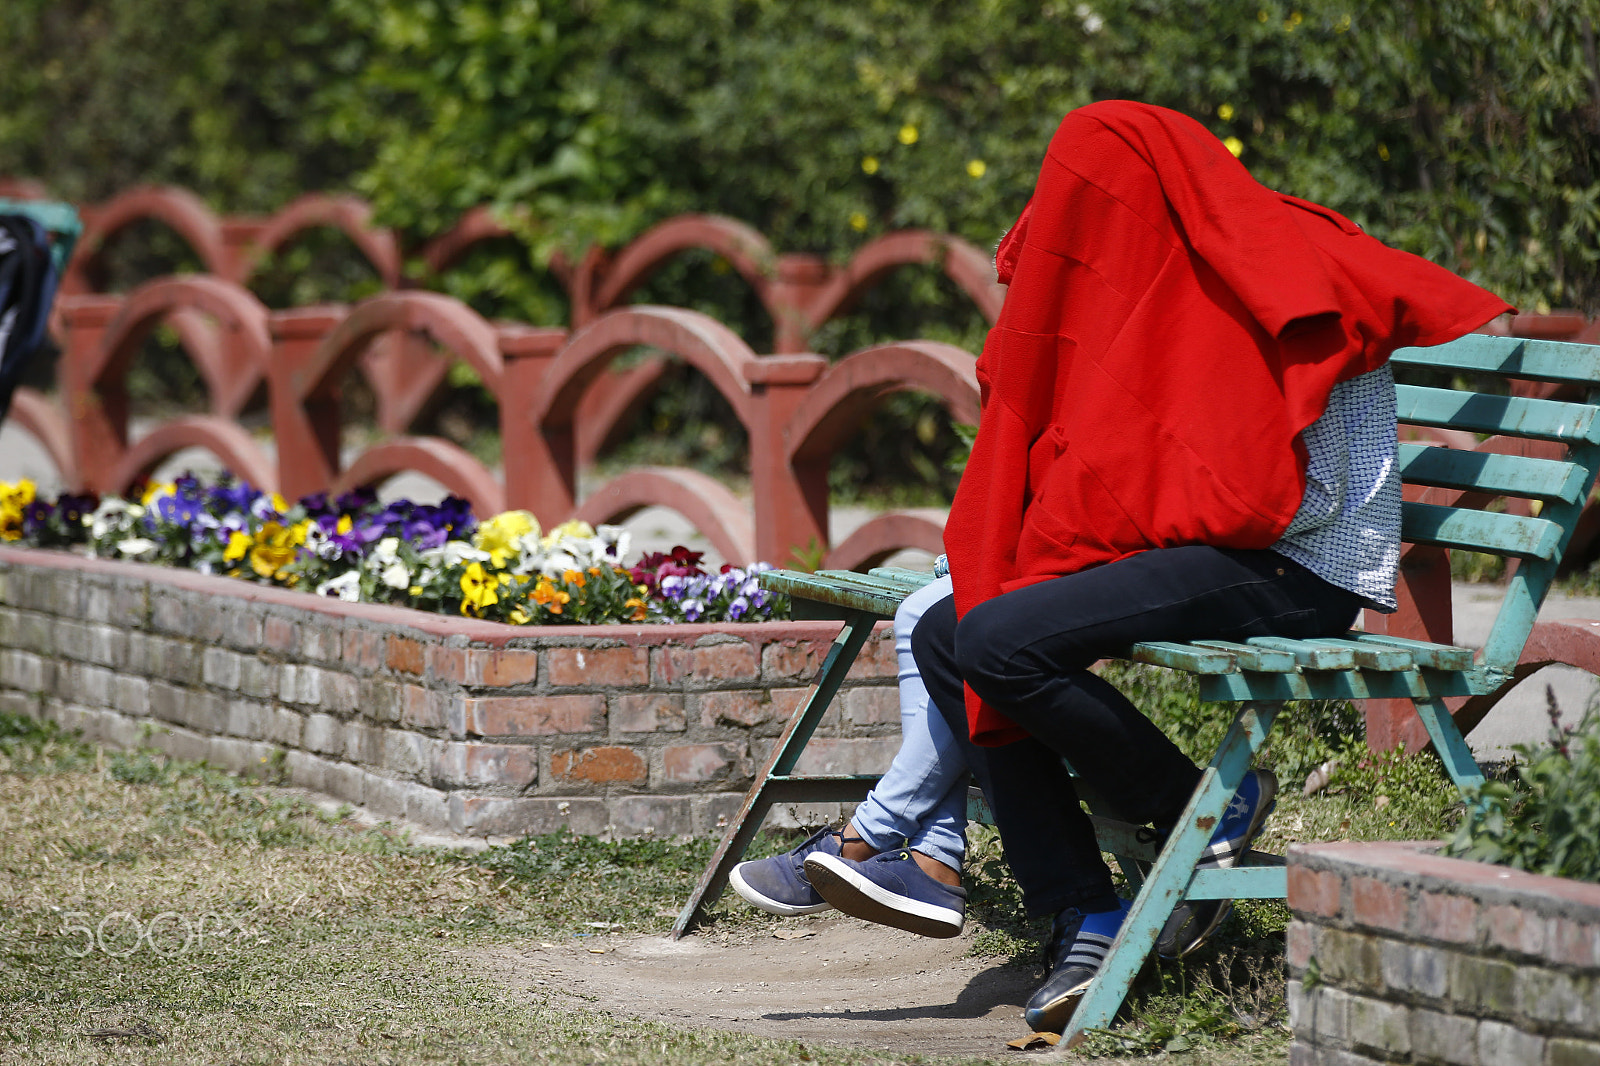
pixel 1507 475
pixel 1512 357
pixel 1480 531
pixel 1515 416
pixel 1265 671
pixel 1309 654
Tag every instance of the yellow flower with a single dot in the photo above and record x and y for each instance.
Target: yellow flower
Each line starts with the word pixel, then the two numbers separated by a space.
pixel 976 168
pixel 272 550
pixel 477 589
pixel 10 522
pixel 1383 152
pixel 238 544
pixel 299 530
pixel 19 495
pixel 279 504
pixel 858 221
pixel 908 134
pixel 156 490
pixel 519 617
pixel 570 528
pixel 636 605
pixel 869 164
pixel 344 525
pixel 574 577
pixel 1293 21
pixel 1225 112
pixel 1234 145
pixel 1343 25
pixel 498 536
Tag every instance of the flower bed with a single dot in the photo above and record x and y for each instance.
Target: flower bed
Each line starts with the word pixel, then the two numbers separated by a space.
pixel 432 557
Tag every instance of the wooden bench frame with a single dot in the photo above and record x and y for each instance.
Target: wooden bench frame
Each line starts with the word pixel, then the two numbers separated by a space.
pixel 1264 672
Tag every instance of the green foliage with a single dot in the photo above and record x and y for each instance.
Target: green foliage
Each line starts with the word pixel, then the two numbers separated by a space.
pixel 1547 821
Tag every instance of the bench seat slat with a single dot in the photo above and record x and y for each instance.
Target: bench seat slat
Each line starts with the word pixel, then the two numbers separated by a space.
pixel 1183 657
pixel 1253 657
pixel 1310 654
pixel 913 579
pixel 1432 656
pixel 1481 531
pixel 1369 657
pixel 1510 475
pixel 1516 416
pixel 1532 359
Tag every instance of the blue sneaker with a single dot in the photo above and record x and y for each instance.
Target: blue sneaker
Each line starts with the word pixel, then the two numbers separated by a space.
pixel 1194 920
pixel 889 889
pixel 1079 943
pixel 778 885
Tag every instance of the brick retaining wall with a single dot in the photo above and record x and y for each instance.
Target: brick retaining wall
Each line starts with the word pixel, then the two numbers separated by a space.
pixel 1398 955
pixel 454 724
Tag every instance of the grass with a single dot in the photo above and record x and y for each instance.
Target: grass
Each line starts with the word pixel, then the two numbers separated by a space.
pixel 161 912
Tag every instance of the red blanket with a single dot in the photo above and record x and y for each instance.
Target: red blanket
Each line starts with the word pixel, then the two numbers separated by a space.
pixel 1170 328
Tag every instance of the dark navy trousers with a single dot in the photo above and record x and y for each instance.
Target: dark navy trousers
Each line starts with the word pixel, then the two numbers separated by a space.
pixel 1028 653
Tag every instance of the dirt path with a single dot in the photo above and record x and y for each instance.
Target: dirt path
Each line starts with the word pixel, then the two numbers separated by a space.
pixel 823 979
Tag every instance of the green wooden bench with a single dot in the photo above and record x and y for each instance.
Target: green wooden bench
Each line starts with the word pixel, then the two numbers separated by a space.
pixel 1262 673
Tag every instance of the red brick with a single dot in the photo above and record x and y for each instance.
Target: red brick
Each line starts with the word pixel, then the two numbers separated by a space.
pixel 1574 943
pixel 1301 945
pixel 733 708
pixel 448 664
pixel 405 655
pixel 363 649
pixel 858 755
pixel 504 667
pixel 691 764
pixel 1378 905
pixel 599 766
pixel 516 765
pixel 1452 919
pixel 280 634
pixel 647 713
pixel 876 659
pixel 422 708
pixel 870 705
pixel 1315 892
pixel 799 659
pixel 786 701
pixel 527 716
pixel 726 662
pixel 597 667
pixel 1516 929
pixel 672 664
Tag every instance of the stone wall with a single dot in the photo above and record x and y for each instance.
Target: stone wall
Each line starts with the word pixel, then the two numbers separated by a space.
pixel 453 724
pixel 1398 955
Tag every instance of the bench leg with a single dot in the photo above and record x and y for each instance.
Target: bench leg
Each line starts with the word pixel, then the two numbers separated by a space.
pixel 785 753
pixel 1449 743
pixel 1172 871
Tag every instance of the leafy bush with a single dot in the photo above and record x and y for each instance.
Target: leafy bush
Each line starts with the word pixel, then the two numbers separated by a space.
pixel 1546 821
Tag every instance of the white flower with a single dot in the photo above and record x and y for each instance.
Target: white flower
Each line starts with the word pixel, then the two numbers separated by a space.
pixel 457 552
pixel 387 550
pixel 136 546
pixel 347 586
pixel 396 576
pixel 557 563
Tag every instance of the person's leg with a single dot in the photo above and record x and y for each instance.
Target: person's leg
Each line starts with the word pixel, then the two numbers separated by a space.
pixel 1049 841
pixel 921 799
pixel 1027 654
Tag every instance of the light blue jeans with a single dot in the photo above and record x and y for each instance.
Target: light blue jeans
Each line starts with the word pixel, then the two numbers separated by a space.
pixel 921 801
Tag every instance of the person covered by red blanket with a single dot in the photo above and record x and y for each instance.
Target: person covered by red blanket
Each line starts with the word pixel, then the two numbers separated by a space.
pixel 1187 432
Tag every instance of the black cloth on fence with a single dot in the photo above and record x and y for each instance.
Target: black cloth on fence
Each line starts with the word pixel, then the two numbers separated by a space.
pixel 27 286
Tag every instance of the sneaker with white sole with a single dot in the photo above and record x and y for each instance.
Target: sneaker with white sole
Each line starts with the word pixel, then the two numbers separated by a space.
pixel 778 884
pixel 1195 919
pixel 889 889
pixel 1079 943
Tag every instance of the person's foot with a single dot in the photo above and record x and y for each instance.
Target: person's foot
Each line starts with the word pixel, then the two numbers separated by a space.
pixel 1078 945
pixel 1194 920
pixel 778 885
pixel 889 889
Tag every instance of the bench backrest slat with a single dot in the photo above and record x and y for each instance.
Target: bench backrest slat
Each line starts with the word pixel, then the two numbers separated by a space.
pixel 1515 416
pixel 1561 486
pixel 1512 357
pixel 1508 475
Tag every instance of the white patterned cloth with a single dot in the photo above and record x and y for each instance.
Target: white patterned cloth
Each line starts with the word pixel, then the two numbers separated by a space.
pixel 1347 530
